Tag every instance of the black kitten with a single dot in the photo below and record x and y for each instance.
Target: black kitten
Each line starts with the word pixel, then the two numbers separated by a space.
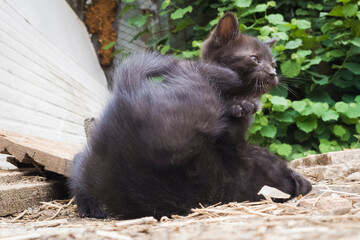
pixel 162 148
pixel 251 59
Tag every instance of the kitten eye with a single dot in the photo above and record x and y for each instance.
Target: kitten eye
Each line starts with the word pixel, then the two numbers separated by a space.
pixel 255 59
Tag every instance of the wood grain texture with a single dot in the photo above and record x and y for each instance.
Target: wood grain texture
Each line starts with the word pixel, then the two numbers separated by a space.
pixel 54 156
pixel 20 196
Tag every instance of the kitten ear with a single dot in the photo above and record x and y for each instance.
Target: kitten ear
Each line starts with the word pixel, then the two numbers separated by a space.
pixel 271 42
pixel 227 29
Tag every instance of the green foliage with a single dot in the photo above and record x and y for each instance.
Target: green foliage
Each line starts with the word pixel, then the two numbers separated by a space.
pixel 317 107
pixel 315 126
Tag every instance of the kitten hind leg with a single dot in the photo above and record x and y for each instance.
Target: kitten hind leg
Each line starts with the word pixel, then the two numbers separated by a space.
pixel 88 207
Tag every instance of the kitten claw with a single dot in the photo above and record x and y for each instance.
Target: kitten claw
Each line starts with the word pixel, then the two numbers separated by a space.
pixel 236 111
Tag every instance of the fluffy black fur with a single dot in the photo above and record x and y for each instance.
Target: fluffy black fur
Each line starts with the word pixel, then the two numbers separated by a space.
pixel 163 148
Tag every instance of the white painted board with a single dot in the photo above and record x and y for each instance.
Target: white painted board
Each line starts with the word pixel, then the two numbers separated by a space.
pixel 50 78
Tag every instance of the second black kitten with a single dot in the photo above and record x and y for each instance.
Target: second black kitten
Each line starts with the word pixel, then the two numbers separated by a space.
pixel 163 148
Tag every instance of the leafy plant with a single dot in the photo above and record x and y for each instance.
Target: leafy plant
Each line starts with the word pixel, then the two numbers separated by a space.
pixel 316 108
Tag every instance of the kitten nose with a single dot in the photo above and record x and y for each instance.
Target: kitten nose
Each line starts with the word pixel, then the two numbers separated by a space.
pixel 272 73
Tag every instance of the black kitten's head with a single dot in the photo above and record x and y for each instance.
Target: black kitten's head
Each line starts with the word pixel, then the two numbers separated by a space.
pixel 244 54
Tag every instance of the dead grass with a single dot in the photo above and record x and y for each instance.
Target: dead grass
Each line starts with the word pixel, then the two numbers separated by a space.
pixel 247 220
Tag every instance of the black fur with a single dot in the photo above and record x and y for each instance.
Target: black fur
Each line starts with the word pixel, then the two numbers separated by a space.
pixel 163 148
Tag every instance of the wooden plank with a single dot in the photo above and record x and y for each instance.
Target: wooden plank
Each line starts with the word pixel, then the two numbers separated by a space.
pixel 10 176
pixel 21 189
pixel 53 155
pixel 20 196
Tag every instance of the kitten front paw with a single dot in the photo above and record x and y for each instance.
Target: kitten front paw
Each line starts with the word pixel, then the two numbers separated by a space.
pixel 236 111
pixel 245 108
pixel 89 208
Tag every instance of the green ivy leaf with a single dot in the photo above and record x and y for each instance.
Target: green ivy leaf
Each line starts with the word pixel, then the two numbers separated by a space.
pixel 322 81
pixel 280 104
pixel 293 44
pixel 353 67
pixel 303 24
pixel 349 10
pixel 275 19
pixel 319 109
pixel 165 49
pixel 271 3
pixel 309 63
pixel 290 68
pixel 190 54
pixel 110 45
pixel 263 121
pixel 356 42
pixel 320 128
pixel 307 124
pixel 339 130
pixel 180 12
pixel 284 150
pixel 353 51
pixel 258 8
pixel 335 53
pixel 182 24
pixel 138 21
pixel 281 35
pixel 242 3
pixel 337 11
pixel 357 126
pixel 330 115
pixel 165 4
pixel 326 27
pixel 341 107
pixel 338 23
pixel 301 136
pixel 286 117
pixel 307 111
pixel 256 139
pixel 327 146
pixel 158 79
pixel 268 131
pixel 265 30
pixel 254 128
pixel 317 6
pixel 353 110
pixel 300 55
pixel 357 99
pixel 347 120
pixel 299 106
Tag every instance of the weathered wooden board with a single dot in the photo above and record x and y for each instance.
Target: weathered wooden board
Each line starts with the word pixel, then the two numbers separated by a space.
pixel 19 192
pixel 10 176
pixel 53 155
